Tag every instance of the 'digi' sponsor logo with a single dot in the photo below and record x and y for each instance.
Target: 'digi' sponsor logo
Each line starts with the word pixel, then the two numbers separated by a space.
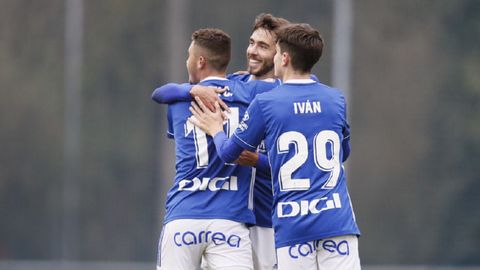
pixel 305 249
pixel 189 238
pixel 303 208
pixel 206 183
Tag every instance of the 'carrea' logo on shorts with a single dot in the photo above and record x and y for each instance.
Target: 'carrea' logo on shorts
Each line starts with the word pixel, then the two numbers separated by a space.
pixel 340 247
pixel 189 238
pixel 305 249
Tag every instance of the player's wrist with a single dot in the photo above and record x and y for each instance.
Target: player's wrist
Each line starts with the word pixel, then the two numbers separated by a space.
pixel 193 91
pixel 214 131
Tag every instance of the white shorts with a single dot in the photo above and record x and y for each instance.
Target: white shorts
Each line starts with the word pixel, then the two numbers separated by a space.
pixel 224 244
pixel 263 248
pixel 339 252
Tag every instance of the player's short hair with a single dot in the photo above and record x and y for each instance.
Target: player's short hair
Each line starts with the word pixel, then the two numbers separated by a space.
pixel 269 22
pixel 303 43
pixel 217 45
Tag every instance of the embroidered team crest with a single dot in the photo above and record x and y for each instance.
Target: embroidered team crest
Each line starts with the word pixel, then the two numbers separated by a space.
pixel 243 125
pixel 246 117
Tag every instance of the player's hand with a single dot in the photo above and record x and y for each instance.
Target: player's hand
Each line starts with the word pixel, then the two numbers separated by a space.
pixel 209 95
pixel 247 158
pixel 211 122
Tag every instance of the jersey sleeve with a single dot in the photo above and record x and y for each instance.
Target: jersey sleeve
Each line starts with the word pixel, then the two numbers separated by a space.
pixel 238 77
pixel 258 87
pixel 172 92
pixel 170 133
pixel 346 143
pixel 346 134
pixel 227 150
pixel 251 130
pixel 263 166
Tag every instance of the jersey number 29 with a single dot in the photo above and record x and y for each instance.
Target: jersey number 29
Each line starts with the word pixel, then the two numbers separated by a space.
pixel 323 141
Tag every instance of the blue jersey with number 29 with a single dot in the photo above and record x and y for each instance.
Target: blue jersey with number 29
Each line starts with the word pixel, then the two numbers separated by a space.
pixel 303 124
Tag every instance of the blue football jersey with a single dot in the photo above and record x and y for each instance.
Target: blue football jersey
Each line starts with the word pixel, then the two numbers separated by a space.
pixel 240 77
pixel 205 187
pixel 303 124
pixel 263 194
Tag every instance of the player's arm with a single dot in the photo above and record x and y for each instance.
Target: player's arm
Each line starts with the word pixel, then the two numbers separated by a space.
pixel 173 92
pixel 346 135
pixel 170 131
pixel 346 143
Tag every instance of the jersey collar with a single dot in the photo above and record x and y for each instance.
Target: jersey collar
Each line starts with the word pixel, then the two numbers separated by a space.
pixel 300 81
pixel 214 78
pixel 269 80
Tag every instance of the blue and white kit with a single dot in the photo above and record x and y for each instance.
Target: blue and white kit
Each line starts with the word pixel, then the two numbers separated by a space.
pixel 210 200
pixel 204 184
pixel 306 134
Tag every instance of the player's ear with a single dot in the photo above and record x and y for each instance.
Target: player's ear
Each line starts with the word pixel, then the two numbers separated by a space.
pixel 202 62
pixel 285 59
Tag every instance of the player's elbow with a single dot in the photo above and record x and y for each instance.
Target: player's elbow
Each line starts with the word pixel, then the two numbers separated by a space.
pixel 160 94
pixel 226 157
pixel 156 95
pixel 346 151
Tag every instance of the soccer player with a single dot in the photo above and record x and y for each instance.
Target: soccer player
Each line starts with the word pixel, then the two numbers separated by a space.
pixel 260 53
pixel 306 134
pixel 210 202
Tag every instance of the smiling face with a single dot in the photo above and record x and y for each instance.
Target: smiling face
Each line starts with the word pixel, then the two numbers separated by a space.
pixel 260 53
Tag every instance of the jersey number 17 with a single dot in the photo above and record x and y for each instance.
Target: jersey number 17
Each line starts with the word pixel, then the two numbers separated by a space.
pixel 200 137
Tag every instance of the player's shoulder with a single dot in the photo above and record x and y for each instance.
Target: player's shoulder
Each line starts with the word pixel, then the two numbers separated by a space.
pixel 266 94
pixel 243 77
pixel 334 92
pixel 230 85
pixel 268 83
pixel 328 90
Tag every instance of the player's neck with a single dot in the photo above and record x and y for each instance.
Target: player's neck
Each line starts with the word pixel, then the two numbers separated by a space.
pixel 213 74
pixel 268 75
pixel 291 74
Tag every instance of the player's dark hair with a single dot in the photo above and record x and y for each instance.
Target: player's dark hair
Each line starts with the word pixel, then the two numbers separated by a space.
pixel 269 22
pixel 303 43
pixel 217 44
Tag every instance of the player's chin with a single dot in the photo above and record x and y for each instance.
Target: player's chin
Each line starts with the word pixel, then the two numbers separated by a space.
pixel 257 71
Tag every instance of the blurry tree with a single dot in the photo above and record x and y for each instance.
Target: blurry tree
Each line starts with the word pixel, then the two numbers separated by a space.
pixel 415 144
pixel 31 84
pixel 122 55
pixel 455 152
